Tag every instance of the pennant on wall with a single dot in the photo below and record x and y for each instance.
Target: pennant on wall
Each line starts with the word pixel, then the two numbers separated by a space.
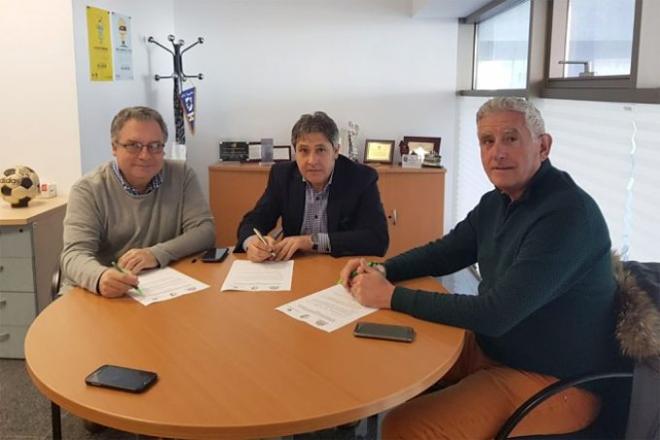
pixel 188 104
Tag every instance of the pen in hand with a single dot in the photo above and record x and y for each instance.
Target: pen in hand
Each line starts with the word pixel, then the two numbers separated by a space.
pixel 355 272
pixel 370 264
pixel 263 240
pixel 137 288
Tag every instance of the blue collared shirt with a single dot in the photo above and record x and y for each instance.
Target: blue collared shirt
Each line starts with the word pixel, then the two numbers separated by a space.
pixel 315 218
pixel 153 185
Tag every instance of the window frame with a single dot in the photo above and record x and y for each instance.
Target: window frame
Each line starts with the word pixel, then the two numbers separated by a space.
pixel 614 88
pixel 600 82
pixel 490 10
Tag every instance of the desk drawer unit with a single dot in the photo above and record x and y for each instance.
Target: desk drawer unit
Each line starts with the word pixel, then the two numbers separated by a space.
pixel 17 310
pixel 30 245
pixel 16 262
pixel 17 288
pixel 16 241
pixel 11 341
pixel 16 275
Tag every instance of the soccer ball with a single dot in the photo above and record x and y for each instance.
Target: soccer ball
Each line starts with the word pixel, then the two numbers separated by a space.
pixel 19 185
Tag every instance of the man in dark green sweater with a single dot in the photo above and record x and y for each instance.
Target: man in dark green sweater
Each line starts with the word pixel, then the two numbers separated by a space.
pixel 545 306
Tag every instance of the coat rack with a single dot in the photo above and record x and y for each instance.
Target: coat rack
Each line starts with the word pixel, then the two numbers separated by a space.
pixel 179 77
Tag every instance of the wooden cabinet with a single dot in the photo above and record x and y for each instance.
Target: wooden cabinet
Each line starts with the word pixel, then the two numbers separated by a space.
pixel 233 191
pixel 413 200
pixel 30 245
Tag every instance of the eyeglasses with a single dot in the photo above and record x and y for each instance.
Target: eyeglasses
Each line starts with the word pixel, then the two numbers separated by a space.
pixel 136 147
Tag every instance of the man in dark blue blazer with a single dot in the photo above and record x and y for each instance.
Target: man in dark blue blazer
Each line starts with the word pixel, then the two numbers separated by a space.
pixel 328 204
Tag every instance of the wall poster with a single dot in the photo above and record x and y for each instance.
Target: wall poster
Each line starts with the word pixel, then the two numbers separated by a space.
pixel 100 47
pixel 123 48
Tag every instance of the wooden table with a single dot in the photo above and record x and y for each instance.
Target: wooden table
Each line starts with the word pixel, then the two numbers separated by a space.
pixel 229 364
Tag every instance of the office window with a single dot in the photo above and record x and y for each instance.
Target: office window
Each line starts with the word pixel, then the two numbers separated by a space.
pixel 592 39
pixel 501 48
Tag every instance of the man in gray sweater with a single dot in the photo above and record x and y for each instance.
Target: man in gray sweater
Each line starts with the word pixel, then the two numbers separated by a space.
pixel 139 210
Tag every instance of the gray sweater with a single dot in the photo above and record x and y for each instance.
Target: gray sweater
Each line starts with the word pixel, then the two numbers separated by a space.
pixel 103 221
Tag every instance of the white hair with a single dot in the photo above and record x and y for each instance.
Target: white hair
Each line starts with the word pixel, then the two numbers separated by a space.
pixel 533 118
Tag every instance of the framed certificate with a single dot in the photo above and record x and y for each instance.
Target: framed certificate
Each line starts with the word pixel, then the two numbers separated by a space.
pixel 281 153
pixel 234 151
pixel 379 151
pixel 254 152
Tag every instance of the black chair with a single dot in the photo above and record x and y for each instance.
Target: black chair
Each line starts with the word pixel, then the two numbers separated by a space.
pixel 55 283
pixel 636 414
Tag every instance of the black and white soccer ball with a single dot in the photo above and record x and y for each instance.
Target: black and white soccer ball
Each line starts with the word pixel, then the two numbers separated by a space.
pixel 19 185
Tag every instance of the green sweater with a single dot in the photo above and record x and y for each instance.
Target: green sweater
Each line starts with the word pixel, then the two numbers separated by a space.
pixel 546 301
pixel 103 221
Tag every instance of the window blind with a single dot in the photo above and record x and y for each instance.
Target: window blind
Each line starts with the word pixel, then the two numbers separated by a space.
pixel 471 181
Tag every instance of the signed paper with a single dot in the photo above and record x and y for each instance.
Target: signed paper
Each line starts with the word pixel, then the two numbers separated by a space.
pixel 259 277
pixel 163 284
pixel 328 309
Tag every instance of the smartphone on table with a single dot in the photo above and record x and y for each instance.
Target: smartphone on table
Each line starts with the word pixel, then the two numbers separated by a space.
pixel 215 255
pixel 388 332
pixel 121 378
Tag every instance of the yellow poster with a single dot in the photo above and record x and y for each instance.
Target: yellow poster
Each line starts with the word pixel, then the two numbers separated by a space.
pixel 100 47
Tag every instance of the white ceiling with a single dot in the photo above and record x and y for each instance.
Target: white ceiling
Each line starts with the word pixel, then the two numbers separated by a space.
pixel 445 8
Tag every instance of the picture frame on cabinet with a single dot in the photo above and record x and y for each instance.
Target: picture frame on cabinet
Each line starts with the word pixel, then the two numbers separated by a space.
pixel 429 144
pixel 378 151
pixel 281 153
pixel 254 152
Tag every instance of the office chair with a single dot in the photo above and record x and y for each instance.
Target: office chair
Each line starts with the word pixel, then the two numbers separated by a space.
pixel 638 333
pixel 55 282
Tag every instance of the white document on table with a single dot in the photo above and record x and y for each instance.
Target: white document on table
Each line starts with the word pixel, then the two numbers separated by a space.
pixel 328 309
pixel 163 284
pixel 259 277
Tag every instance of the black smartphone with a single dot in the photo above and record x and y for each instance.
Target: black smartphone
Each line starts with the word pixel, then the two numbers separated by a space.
pixel 215 255
pixel 121 378
pixel 389 332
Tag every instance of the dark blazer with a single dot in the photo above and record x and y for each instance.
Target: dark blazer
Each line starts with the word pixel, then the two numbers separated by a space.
pixel 356 220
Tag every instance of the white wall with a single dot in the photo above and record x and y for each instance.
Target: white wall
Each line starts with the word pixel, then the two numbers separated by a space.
pixel 39 115
pixel 99 101
pixel 265 63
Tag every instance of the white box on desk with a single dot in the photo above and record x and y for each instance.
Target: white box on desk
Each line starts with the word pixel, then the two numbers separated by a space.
pixel 411 161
